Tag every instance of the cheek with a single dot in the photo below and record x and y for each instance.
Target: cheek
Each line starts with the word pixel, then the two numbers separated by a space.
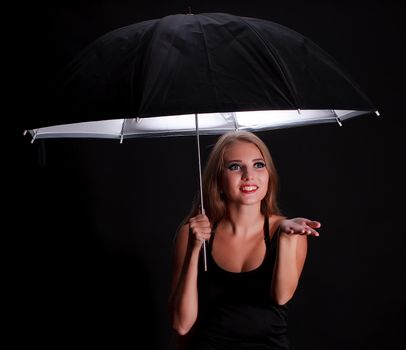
pixel 265 178
pixel 265 181
pixel 229 181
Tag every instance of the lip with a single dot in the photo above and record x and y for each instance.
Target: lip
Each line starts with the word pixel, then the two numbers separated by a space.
pixel 245 188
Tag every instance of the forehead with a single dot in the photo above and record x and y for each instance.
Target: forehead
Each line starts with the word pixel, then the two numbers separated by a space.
pixel 242 150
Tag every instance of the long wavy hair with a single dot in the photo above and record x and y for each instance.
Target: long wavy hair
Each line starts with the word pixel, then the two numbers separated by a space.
pixel 213 201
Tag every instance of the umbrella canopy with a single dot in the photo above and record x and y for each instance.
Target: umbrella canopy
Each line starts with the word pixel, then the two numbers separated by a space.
pixel 205 63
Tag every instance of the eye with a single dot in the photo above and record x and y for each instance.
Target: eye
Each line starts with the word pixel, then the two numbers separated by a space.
pixel 234 166
pixel 259 165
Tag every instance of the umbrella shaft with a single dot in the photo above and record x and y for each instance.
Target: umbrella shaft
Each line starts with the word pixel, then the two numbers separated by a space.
pixel 200 184
pixel 200 163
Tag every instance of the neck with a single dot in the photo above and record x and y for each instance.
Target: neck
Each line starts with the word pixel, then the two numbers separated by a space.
pixel 243 219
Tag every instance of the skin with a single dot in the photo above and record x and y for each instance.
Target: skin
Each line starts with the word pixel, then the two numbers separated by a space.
pixel 239 244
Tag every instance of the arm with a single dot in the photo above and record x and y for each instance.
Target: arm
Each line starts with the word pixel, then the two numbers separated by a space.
pixel 291 256
pixel 184 295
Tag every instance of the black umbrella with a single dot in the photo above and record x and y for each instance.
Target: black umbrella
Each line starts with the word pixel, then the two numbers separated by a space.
pixel 212 62
pixel 150 78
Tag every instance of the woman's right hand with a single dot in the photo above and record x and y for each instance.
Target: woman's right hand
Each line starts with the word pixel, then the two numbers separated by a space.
pixel 199 230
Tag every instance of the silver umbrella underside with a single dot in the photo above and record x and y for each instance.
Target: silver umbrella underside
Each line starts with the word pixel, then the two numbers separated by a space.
pixel 184 125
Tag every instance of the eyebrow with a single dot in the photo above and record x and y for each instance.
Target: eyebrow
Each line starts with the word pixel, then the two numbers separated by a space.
pixel 240 161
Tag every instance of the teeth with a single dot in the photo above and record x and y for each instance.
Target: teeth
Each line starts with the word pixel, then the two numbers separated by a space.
pixel 249 188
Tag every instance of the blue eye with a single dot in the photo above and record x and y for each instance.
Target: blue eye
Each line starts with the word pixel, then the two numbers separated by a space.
pixel 234 166
pixel 259 165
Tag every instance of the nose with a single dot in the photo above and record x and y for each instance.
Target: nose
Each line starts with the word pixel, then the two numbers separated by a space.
pixel 246 174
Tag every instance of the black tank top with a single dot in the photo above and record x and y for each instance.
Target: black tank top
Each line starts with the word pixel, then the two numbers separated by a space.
pixel 235 308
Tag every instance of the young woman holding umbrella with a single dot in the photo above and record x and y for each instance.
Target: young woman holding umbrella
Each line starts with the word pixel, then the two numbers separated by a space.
pixel 254 255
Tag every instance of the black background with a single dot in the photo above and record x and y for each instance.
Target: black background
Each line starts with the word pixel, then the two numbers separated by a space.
pixel 91 222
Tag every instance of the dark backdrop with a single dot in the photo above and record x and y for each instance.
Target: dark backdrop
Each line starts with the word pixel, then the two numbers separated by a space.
pixel 91 222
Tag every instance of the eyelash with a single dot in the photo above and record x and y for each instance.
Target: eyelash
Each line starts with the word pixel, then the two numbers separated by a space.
pixel 257 165
pixel 233 166
pixel 262 165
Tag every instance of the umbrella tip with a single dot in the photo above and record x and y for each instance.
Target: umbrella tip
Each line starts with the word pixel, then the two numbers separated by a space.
pixel 338 120
pixel 34 135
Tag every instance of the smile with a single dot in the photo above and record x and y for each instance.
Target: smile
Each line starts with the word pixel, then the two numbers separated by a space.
pixel 248 188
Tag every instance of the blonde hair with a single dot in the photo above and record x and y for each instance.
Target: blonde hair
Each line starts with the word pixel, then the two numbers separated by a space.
pixel 214 204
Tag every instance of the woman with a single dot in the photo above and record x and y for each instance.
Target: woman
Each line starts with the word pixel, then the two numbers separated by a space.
pixel 254 255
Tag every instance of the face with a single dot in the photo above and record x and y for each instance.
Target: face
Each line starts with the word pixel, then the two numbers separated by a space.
pixel 245 176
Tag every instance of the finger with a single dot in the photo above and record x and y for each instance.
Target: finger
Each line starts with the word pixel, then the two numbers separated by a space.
pixel 201 228
pixel 301 230
pixel 313 223
pixel 198 217
pixel 205 225
pixel 312 233
pixel 201 217
pixel 195 222
pixel 289 230
pixel 206 236
pixel 202 236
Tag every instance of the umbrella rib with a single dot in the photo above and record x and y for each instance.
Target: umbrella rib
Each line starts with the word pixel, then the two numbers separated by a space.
pixel 233 115
pixel 122 131
pixel 284 72
pixel 338 120
pixel 208 59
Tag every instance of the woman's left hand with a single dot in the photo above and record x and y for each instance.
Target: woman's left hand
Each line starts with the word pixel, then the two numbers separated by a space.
pixel 299 226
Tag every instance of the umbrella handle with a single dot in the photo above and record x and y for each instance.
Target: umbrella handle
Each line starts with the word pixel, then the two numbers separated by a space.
pixel 204 255
pixel 204 250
